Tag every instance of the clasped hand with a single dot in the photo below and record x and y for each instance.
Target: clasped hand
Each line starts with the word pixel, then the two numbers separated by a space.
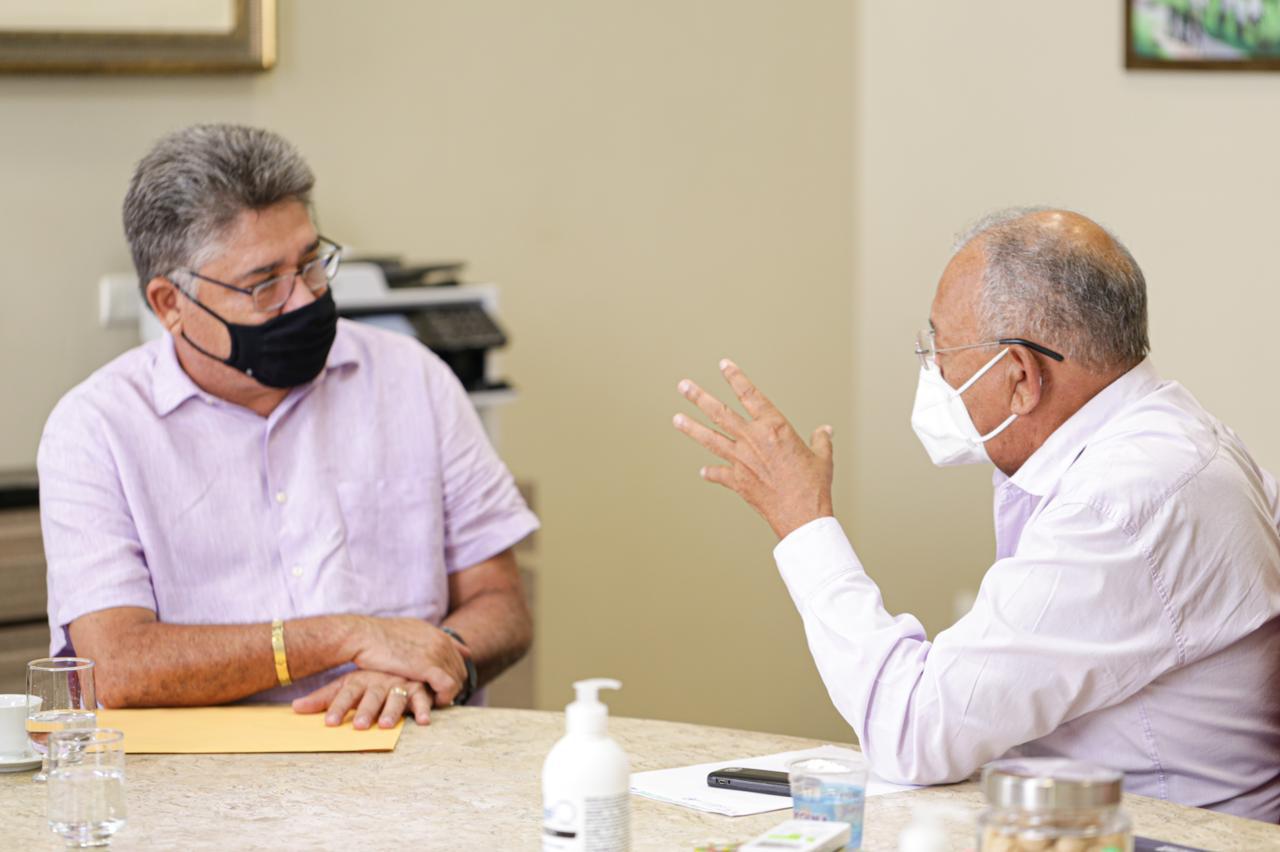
pixel 768 464
pixel 405 663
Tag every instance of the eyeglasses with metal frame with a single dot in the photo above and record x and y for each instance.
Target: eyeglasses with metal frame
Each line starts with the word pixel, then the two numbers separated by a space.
pixel 927 347
pixel 272 294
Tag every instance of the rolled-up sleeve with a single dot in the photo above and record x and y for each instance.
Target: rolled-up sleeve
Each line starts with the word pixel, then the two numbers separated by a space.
pixel 1070 624
pixel 95 560
pixel 484 513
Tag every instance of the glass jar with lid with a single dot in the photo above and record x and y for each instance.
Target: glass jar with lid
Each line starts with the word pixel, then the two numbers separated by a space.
pixel 1052 805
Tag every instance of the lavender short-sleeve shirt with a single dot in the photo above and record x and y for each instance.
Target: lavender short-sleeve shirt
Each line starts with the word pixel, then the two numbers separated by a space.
pixel 359 494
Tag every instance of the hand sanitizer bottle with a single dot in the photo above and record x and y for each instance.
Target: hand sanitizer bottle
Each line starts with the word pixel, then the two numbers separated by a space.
pixel 586 780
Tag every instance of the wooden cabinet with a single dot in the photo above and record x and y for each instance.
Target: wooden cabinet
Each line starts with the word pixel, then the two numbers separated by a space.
pixel 24 632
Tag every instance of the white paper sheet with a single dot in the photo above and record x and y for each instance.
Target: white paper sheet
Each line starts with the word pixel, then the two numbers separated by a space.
pixel 687 785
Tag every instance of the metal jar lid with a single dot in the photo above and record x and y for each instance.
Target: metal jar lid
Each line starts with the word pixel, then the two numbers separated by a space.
pixel 1050 784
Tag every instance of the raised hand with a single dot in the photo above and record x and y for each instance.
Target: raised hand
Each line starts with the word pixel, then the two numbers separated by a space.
pixel 767 463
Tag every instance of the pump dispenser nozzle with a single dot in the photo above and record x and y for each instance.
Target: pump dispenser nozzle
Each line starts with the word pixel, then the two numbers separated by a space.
pixel 588 715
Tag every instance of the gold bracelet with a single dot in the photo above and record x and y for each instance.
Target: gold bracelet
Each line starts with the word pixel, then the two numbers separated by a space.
pixel 277 645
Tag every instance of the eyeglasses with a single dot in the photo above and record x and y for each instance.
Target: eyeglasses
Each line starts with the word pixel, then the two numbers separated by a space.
pixel 927 347
pixel 270 295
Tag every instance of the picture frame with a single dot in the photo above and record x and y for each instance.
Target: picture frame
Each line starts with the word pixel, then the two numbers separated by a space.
pixel 137 36
pixel 1202 35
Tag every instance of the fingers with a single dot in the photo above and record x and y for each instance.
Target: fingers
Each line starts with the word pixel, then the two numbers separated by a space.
pixel 721 415
pixel 348 694
pixel 393 708
pixel 375 695
pixel 821 443
pixel 719 474
pixel 318 700
pixel 420 703
pixel 709 438
pixel 444 685
pixel 756 403
pixel 457 666
pixel 369 693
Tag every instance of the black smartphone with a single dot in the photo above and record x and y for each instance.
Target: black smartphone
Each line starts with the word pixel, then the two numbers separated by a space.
pixel 751 780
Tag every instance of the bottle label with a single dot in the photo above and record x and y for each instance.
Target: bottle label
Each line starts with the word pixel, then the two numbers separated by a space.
pixel 592 824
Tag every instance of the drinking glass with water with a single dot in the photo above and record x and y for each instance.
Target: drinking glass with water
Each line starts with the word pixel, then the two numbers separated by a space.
pixel 830 789
pixel 86 785
pixel 60 696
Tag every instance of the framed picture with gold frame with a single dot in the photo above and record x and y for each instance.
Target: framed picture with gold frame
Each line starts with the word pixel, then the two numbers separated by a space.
pixel 137 36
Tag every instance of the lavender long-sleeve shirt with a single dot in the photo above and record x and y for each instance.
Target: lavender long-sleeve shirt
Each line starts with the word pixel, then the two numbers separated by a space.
pixel 1131 619
pixel 359 494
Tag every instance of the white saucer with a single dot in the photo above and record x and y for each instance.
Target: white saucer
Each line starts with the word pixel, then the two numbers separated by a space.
pixel 20 763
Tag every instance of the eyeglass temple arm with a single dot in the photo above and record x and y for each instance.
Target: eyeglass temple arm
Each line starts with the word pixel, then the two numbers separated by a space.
pixel 216 282
pixel 1048 353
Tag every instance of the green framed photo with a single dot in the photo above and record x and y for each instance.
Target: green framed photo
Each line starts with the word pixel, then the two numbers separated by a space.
pixel 1216 35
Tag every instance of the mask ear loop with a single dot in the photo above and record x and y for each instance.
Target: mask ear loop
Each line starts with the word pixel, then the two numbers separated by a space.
pixel 196 346
pixel 996 431
pixel 964 387
pixel 982 439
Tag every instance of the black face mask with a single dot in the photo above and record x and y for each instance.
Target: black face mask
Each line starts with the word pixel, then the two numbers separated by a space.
pixel 285 351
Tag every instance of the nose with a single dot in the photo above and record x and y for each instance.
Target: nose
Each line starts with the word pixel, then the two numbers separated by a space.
pixel 300 297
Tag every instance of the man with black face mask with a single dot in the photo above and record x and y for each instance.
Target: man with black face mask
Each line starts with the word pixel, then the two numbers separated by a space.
pixel 271 503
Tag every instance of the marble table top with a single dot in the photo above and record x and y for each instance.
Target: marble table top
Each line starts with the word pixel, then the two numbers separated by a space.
pixel 471 780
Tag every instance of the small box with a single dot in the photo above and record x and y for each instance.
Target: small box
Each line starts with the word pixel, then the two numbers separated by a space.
pixel 802 835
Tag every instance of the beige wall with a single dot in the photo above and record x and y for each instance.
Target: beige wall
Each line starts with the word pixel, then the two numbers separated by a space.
pixel 965 107
pixel 655 185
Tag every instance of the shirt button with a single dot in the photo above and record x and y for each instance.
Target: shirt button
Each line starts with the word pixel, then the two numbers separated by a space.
pixel 282 498
pixel 297 570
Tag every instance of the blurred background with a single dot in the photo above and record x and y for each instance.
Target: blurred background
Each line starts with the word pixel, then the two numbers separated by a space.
pixel 656 185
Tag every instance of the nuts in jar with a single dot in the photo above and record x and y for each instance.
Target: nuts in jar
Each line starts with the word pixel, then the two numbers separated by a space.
pixel 1052 805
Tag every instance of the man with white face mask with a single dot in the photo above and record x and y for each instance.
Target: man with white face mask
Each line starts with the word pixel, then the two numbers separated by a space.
pixel 1132 615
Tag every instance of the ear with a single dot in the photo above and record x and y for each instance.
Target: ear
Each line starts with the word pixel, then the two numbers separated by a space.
pixel 162 296
pixel 1025 380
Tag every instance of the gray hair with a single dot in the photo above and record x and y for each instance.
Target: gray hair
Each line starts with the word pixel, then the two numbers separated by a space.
pixel 1085 301
pixel 195 182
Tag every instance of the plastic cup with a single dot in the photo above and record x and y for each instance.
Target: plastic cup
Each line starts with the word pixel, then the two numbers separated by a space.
pixel 830 789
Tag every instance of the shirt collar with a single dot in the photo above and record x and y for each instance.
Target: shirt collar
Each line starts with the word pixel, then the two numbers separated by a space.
pixel 344 352
pixel 1047 464
pixel 171 386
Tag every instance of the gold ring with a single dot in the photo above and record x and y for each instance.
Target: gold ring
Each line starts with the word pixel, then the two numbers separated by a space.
pixel 400 690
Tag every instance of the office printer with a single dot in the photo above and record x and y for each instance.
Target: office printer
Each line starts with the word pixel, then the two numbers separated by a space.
pixel 455 322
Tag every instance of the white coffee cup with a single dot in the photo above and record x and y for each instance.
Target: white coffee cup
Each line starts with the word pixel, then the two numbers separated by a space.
pixel 13 726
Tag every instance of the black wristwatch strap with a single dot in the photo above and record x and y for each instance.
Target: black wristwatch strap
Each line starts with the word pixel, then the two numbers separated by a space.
pixel 469 688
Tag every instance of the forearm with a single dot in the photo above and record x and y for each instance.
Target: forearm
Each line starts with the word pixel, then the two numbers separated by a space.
pixel 497 628
pixel 148 664
pixel 1031 655
pixel 872 662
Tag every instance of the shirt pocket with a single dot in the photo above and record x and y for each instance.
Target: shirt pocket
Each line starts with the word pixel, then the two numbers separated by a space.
pixel 393 532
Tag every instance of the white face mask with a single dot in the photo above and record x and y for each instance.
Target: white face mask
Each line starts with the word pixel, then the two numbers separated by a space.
pixel 943 424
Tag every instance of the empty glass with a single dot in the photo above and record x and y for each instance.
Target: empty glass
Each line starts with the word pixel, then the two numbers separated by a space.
pixel 86 785
pixel 60 697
